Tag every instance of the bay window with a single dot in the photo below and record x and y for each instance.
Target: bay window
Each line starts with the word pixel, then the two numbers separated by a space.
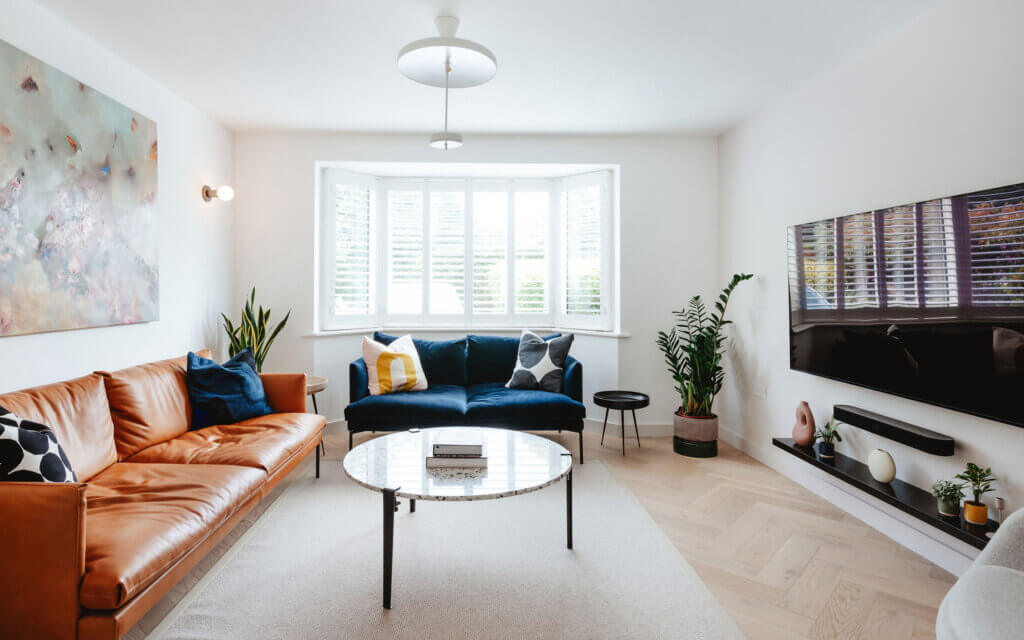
pixel 467 252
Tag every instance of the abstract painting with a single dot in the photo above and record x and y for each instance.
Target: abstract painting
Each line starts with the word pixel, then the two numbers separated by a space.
pixel 78 181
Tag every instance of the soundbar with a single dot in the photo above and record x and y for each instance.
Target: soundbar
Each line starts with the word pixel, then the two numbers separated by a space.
pixel 903 432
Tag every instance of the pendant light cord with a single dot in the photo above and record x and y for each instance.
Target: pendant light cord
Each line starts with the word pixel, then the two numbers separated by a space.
pixel 447 70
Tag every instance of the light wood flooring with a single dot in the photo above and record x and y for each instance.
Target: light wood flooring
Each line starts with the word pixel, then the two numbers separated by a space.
pixel 783 562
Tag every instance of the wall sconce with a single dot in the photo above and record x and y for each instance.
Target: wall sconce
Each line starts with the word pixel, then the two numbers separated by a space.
pixel 223 193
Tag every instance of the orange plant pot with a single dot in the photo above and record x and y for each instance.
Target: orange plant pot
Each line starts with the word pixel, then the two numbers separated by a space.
pixel 975 512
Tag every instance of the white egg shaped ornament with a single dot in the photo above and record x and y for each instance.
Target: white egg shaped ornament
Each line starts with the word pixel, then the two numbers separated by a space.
pixel 881 465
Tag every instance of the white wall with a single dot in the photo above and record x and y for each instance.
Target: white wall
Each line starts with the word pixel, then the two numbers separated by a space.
pixel 195 237
pixel 668 226
pixel 931 110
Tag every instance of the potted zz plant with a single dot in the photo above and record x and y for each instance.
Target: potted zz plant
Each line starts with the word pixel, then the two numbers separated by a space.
pixel 980 480
pixel 829 434
pixel 693 352
pixel 252 331
pixel 947 495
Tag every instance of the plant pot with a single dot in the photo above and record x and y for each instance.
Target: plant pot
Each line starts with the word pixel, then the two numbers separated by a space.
pixel 696 437
pixel 975 512
pixel 950 508
pixel 826 450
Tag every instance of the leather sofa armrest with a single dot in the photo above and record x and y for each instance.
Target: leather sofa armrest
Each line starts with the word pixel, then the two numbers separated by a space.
pixel 358 381
pixel 572 379
pixel 43 558
pixel 286 392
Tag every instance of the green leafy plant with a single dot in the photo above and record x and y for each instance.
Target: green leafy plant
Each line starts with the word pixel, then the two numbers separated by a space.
pixel 251 332
pixel 947 491
pixel 980 480
pixel 829 432
pixel 693 351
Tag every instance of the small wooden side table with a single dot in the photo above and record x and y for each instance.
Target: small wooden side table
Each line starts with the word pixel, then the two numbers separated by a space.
pixel 314 385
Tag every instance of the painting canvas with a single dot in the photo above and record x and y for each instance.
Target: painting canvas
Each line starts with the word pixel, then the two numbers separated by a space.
pixel 78 182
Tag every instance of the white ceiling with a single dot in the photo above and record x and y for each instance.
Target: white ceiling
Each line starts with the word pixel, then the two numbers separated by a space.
pixel 564 66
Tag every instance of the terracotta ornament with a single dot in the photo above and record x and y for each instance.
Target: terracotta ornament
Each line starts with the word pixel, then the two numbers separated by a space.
pixel 803 430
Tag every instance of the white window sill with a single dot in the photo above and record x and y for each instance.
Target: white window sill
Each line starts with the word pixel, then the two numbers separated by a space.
pixel 619 335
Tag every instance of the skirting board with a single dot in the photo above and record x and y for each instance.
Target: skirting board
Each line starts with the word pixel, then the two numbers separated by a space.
pixel 589 425
pixel 943 550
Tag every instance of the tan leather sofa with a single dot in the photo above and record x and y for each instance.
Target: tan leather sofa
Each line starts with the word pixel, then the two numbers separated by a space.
pixel 87 560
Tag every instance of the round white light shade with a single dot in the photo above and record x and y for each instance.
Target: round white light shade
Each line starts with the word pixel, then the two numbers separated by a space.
pixel 225 193
pixel 438 140
pixel 423 61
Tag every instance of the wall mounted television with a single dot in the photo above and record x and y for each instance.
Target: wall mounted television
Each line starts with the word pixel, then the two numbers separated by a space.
pixel 922 300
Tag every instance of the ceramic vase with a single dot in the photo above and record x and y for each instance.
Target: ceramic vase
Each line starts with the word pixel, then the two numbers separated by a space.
pixel 803 429
pixel 881 465
pixel 975 512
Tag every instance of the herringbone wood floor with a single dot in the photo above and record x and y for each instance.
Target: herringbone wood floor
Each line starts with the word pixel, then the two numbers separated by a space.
pixel 783 562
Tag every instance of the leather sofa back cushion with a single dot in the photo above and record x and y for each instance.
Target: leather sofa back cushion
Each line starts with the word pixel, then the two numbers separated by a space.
pixel 444 361
pixel 149 404
pixel 78 413
pixel 492 358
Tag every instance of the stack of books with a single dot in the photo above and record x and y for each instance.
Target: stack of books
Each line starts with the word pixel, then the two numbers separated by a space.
pixel 447 456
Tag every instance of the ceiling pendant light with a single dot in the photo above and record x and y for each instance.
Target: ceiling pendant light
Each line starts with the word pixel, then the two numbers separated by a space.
pixel 448 62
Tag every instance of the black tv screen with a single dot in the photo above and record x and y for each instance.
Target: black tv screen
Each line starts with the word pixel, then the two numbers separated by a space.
pixel 923 300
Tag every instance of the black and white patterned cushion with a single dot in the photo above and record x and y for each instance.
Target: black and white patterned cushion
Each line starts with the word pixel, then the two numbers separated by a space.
pixel 29 452
pixel 540 363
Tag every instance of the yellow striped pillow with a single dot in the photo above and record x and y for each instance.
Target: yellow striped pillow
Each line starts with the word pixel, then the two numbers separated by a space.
pixel 392 368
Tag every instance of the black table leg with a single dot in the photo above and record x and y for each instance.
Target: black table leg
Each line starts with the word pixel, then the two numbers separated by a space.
pixel 315 410
pixel 637 428
pixel 318 460
pixel 412 506
pixel 581 446
pixel 389 542
pixel 622 424
pixel 568 509
pixel 606 410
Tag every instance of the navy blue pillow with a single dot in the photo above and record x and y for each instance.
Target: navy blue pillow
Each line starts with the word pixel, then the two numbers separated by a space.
pixel 444 361
pixel 227 393
pixel 492 358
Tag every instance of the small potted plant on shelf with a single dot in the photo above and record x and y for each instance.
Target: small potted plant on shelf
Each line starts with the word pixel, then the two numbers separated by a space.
pixel 980 480
pixel 829 434
pixel 947 495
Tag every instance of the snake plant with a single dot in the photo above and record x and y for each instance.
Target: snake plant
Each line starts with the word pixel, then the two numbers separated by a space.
pixel 251 332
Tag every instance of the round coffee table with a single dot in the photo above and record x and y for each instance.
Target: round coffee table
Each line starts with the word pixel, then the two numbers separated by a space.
pixel 395 465
pixel 621 401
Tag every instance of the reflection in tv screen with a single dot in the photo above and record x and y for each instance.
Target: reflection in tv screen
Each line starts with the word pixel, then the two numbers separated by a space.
pixel 922 300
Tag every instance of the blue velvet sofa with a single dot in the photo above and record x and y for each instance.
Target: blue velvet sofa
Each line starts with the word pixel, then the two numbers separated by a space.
pixel 467 380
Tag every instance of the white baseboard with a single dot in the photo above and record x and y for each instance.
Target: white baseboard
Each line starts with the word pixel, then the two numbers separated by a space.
pixel 589 425
pixel 942 549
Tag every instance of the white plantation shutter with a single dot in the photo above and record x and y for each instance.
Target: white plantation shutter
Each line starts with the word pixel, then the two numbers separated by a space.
pixel 405 251
pixel 447 252
pixel 900 233
pixel 532 230
pixel 354 208
pixel 586 251
pixel 995 219
pixel 816 246
pixel 938 279
pixel 859 273
pixel 490 244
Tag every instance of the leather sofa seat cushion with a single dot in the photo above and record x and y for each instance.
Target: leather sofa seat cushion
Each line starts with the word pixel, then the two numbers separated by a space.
pixel 264 443
pixel 438 405
pixel 149 404
pixel 78 413
pixel 493 403
pixel 142 518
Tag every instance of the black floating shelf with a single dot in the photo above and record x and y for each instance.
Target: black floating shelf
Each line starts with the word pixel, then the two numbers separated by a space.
pixel 911 435
pixel 905 497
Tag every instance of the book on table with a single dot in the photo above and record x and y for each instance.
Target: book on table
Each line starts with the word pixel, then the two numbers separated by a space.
pixel 455 450
pixel 436 462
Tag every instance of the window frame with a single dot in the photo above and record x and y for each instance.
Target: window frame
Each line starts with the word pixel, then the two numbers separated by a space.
pixel 380 268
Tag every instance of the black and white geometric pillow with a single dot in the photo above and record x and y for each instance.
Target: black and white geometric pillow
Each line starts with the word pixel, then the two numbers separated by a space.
pixel 540 363
pixel 29 452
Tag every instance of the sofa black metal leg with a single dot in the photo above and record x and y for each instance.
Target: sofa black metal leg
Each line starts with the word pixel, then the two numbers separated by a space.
pixel 581 446
pixel 412 506
pixel 318 460
pixel 350 440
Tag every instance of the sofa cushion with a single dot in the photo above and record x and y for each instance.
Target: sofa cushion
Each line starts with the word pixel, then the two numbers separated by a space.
pixel 438 405
pixel 224 393
pixel 142 518
pixel 29 452
pixel 540 364
pixel 265 443
pixel 79 415
pixel 149 403
pixel 493 403
pixel 444 361
pixel 492 358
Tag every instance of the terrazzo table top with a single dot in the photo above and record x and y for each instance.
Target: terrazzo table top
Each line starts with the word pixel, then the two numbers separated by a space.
pixel 516 463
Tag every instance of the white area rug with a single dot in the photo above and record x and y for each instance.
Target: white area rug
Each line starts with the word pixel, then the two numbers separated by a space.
pixel 311 568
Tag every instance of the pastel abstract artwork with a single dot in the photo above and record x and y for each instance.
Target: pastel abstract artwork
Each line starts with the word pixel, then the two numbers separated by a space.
pixel 78 182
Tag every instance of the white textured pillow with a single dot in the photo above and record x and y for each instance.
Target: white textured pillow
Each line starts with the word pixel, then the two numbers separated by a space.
pixel 395 367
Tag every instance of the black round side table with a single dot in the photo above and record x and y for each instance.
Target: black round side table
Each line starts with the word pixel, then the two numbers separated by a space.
pixel 621 401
